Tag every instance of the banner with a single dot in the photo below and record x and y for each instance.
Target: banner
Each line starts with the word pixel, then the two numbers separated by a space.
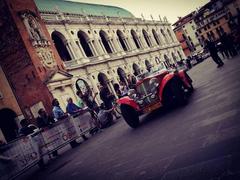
pixel 83 123
pixel 55 137
pixel 17 156
pixel 23 153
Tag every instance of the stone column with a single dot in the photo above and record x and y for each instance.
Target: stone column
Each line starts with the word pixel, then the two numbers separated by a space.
pixel 92 48
pixel 72 49
pixel 98 47
pixel 140 42
pixel 81 49
pixel 144 43
pixel 102 47
pixel 133 45
pixel 126 44
pixel 116 44
pixel 69 50
pixel 110 45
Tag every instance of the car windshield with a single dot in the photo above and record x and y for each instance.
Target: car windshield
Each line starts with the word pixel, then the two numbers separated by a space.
pixel 154 70
pixel 144 88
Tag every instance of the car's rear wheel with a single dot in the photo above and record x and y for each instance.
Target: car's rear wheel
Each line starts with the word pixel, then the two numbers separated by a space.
pixel 130 115
pixel 174 93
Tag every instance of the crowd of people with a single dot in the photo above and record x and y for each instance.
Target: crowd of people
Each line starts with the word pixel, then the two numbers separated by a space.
pixel 225 46
pixel 102 115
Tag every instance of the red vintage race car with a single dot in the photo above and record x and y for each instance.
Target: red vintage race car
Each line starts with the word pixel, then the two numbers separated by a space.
pixel 154 90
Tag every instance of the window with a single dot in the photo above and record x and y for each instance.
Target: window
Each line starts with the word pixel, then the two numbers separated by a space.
pixel 193 27
pixel 205 28
pixel 186 31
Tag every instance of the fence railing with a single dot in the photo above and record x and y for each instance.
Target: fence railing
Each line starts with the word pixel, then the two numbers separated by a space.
pixel 25 152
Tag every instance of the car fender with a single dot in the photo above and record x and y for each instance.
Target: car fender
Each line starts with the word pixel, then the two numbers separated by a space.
pixel 183 76
pixel 164 82
pixel 128 101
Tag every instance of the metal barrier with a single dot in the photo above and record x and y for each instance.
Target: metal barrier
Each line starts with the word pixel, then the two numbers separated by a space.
pixel 23 153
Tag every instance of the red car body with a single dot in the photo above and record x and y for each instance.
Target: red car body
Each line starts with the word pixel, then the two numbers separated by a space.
pixel 164 78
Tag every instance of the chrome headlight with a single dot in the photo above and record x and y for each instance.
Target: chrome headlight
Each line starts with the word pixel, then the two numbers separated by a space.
pixel 132 93
pixel 153 96
pixel 140 102
pixel 153 83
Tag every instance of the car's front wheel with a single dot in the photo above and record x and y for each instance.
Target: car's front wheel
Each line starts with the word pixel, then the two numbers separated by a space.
pixel 174 94
pixel 130 115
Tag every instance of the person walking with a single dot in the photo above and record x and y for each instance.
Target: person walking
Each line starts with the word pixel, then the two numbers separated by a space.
pixel 210 46
pixel 107 99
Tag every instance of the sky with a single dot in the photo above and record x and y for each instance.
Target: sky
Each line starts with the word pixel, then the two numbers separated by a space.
pixel 172 9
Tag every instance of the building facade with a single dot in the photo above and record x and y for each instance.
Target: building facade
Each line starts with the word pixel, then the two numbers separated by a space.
pixel 52 48
pixel 105 46
pixel 218 17
pixel 185 30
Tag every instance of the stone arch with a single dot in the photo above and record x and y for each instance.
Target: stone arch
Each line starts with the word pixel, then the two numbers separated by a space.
pixel 83 38
pixel 146 37
pixel 170 35
pixel 136 69
pixel 60 43
pixel 156 37
pixel 8 124
pixel 105 82
pixel 122 40
pixel 135 39
pixel 164 36
pixel 167 61
pixel 105 38
pixel 122 75
pixel 148 65
pixel 103 79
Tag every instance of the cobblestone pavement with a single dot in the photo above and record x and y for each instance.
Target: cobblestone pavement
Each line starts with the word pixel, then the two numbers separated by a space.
pixel 198 141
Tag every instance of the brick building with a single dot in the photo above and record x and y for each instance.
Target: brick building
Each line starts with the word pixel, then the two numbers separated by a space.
pixel 217 17
pixel 185 31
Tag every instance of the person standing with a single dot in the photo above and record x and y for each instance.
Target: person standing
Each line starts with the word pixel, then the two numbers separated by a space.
pixel 57 110
pixel 107 99
pixel 71 107
pixel 210 46
pixel 44 120
pixel 88 100
pixel 123 89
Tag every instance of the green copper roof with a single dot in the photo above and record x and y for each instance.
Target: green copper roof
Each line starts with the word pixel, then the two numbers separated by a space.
pixel 81 8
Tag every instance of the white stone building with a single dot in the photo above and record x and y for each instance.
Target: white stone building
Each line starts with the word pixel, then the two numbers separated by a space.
pixel 103 43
